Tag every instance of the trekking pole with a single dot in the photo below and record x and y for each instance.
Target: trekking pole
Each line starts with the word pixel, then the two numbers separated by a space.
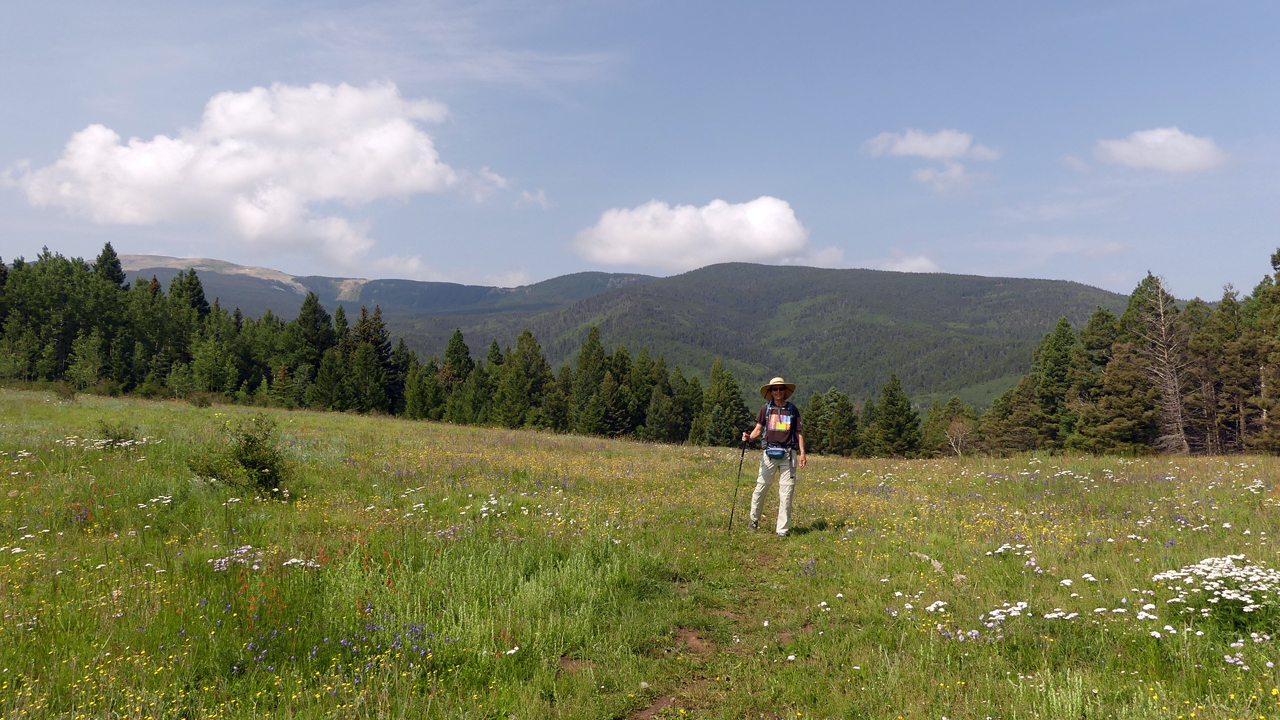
pixel 734 506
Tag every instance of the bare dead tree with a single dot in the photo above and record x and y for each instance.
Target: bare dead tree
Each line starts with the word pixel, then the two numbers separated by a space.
pixel 1163 345
pixel 960 433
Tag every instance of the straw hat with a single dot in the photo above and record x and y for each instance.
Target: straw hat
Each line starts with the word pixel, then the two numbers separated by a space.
pixel 764 389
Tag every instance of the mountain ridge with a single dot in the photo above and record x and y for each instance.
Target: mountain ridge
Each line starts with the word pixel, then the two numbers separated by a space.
pixel 845 328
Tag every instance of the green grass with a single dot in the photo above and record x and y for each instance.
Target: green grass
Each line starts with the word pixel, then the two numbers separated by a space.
pixel 412 559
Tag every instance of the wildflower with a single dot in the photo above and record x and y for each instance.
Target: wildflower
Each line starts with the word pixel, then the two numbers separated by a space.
pixel 1066 582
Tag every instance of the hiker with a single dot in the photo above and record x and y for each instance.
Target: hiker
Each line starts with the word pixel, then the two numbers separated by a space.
pixel 779 421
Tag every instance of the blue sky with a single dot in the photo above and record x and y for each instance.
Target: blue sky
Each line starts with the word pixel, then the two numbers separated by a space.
pixel 506 142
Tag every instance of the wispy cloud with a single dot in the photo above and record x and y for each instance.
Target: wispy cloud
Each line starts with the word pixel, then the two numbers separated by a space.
pixel 533 199
pixel 951 176
pixel 947 146
pixel 1036 250
pixel 450 41
pixel 942 145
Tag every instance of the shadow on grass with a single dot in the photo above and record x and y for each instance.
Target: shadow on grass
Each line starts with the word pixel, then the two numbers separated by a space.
pixel 819 525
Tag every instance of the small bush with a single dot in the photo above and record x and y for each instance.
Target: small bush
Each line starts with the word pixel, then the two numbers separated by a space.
pixel 65 392
pixel 200 399
pixel 248 458
pixel 118 434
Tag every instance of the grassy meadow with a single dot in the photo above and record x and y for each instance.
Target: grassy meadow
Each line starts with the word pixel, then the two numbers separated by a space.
pixel 422 570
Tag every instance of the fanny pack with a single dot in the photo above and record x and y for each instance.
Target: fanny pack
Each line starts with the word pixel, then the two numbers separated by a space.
pixel 776 452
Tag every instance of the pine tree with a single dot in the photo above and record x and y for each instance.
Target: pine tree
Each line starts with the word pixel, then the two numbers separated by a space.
pixel 372 331
pixel 557 401
pixel 620 365
pixel 1016 421
pixel 814 422
pixel 661 423
pixel 686 396
pixel 895 432
pixel 722 391
pixel 614 407
pixel 553 412
pixel 495 356
pixel 719 430
pixel 401 361
pixel 108 267
pixel 933 437
pixel 640 388
pixel 327 391
pixel 308 335
pixel 590 370
pixel 522 382
pixel 590 420
pixel 1123 419
pixel 839 422
pixel 513 398
pixel 1052 371
pixel 186 290
pixel 424 396
pixel 368 380
pixel 471 403
pixel 340 329
pixel 457 363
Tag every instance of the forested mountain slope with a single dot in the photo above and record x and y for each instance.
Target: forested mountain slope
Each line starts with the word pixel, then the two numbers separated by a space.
pixel 942 334
pixel 844 328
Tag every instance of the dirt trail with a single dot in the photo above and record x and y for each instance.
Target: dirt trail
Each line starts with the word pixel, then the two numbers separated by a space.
pixel 765 562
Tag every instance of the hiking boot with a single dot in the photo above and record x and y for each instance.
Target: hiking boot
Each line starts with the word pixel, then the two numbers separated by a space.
pixel 755 525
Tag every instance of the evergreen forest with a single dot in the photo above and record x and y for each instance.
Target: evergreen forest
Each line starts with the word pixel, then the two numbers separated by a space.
pixel 1161 376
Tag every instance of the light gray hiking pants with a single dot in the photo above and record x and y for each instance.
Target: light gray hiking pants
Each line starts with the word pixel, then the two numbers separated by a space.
pixel 785 469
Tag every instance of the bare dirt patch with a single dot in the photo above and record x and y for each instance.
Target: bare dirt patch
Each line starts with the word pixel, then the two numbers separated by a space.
pixel 570 665
pixel 688 691
pixel 693 641
pixel 652 711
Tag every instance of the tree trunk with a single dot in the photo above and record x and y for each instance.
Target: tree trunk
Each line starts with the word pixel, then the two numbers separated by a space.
pixel 1164 347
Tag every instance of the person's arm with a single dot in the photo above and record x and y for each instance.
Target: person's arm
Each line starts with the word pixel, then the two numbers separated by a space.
pixel 800 441
pixel 754 434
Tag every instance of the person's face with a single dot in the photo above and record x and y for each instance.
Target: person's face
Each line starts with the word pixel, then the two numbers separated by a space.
pixel 778 392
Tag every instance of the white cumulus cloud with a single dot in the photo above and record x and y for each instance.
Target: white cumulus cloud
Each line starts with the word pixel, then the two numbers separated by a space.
pixel 685 237
pixel 1163 149
pixel 258 164
pixel 906 262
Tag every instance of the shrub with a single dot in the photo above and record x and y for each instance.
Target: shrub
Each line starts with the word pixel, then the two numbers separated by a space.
pixel 247 458
pixel 65 392
pixel 200 399
pixel 118 434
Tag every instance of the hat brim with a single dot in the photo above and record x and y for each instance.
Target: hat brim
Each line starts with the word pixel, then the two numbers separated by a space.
pixel 764 389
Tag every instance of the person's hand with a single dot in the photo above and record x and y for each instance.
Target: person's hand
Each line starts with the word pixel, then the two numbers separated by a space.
pixel 744 435
pixel 803 460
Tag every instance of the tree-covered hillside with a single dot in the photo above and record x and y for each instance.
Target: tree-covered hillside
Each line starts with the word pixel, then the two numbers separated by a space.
pixel 849 329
